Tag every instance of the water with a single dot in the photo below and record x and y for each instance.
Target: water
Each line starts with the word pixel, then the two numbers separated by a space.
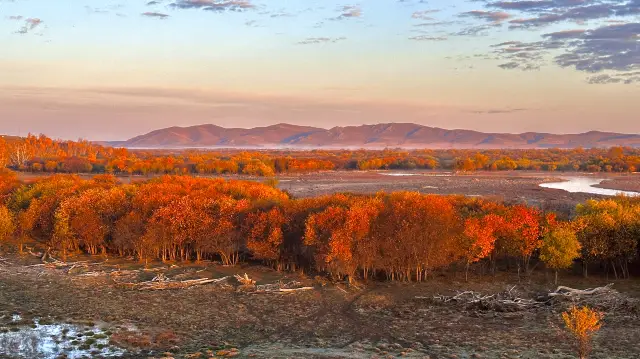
pixel 585 185
pixel 49 341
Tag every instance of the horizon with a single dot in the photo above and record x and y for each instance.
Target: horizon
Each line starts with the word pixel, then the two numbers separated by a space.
pixel 291 124
pixel 108 70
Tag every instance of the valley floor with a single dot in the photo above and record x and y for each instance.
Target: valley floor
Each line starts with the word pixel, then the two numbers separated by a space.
pixel 331 320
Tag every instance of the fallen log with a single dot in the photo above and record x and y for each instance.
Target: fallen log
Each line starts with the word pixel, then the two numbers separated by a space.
pixel 280 287
pixel 571 292
pixel 163 284
pixel 289 290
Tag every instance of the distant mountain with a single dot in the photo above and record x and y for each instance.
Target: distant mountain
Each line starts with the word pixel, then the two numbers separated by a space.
pixel 405 135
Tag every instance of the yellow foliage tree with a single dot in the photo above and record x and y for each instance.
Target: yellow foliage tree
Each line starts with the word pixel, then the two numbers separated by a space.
pixel 7 224
pixel 559 248
pixel 582 323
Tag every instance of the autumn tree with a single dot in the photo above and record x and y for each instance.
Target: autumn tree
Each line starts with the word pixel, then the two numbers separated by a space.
pixel 479 238
pixel 7 223
pixel 560 247
pixel 610 232
pixel 337 235
pixel 417 234
pixel 8 183
pixel 4 153
pixel 88 218
pixel 265 238
pixel 582 324
pixel 521 234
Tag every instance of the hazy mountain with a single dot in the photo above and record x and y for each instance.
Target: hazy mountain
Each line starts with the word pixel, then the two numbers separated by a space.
pixel 405 135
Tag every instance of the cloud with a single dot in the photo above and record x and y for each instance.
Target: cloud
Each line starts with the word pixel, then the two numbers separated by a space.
pixel 574 14
pixel 428 38
pixel 423 15
pixel 613 47
pixel 320 40
pixel 155 14
pixel 499 111
pixel 16 17
pixel 30 24
pixel 566 34
pixel 606 48
pixel 546 12
pixel 624 78
pixel 478 30
pixel 214 5
pixel 492 16
pixel 350 11
pixel 536 5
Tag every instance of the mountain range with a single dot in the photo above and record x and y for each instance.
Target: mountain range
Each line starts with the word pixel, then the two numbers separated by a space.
pixel 393 135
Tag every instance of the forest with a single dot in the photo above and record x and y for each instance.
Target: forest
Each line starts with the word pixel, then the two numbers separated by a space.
pixel 396 236
pixel 43 154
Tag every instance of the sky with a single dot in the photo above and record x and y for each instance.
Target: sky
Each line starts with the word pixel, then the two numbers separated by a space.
pixel 114 69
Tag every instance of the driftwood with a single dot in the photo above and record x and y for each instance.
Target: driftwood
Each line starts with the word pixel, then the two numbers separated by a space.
pixel 245 280
pixel 160 282
pixel 280 287
pixel 577 293
pixel 289 290
pixel 602 298
pixel 507 301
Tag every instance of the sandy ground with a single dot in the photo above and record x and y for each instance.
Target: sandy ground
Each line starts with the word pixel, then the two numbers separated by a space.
pixel 333 320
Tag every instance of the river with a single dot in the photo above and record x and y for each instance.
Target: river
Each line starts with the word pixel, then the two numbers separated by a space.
pixel 586 185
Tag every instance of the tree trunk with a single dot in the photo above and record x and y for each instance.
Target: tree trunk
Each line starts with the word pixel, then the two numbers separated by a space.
pixel 466 272
pixel 556 277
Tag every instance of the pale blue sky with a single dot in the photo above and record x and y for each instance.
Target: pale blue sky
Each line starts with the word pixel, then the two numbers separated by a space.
pixel 106 70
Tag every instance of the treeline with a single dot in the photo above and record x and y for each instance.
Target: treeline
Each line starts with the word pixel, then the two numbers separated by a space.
pixel 42 154
pixel 399 236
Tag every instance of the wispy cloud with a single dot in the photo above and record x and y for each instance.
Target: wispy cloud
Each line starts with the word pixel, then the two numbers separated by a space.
pixel 214 5
pixel 499 111
pixel 320 40
pixel 423 14
pixel 428 38
pixel 157 15
pixel 492 16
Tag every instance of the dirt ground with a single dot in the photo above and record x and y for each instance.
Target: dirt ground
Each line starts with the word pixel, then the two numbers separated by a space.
pixel 516 186
pixel 331 320
pixel 512 185
pixel 623 183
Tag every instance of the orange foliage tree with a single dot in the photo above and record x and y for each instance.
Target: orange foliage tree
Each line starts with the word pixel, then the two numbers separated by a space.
pixel 480 238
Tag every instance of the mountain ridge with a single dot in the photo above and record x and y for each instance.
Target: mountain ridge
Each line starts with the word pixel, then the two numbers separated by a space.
pixel 382 135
